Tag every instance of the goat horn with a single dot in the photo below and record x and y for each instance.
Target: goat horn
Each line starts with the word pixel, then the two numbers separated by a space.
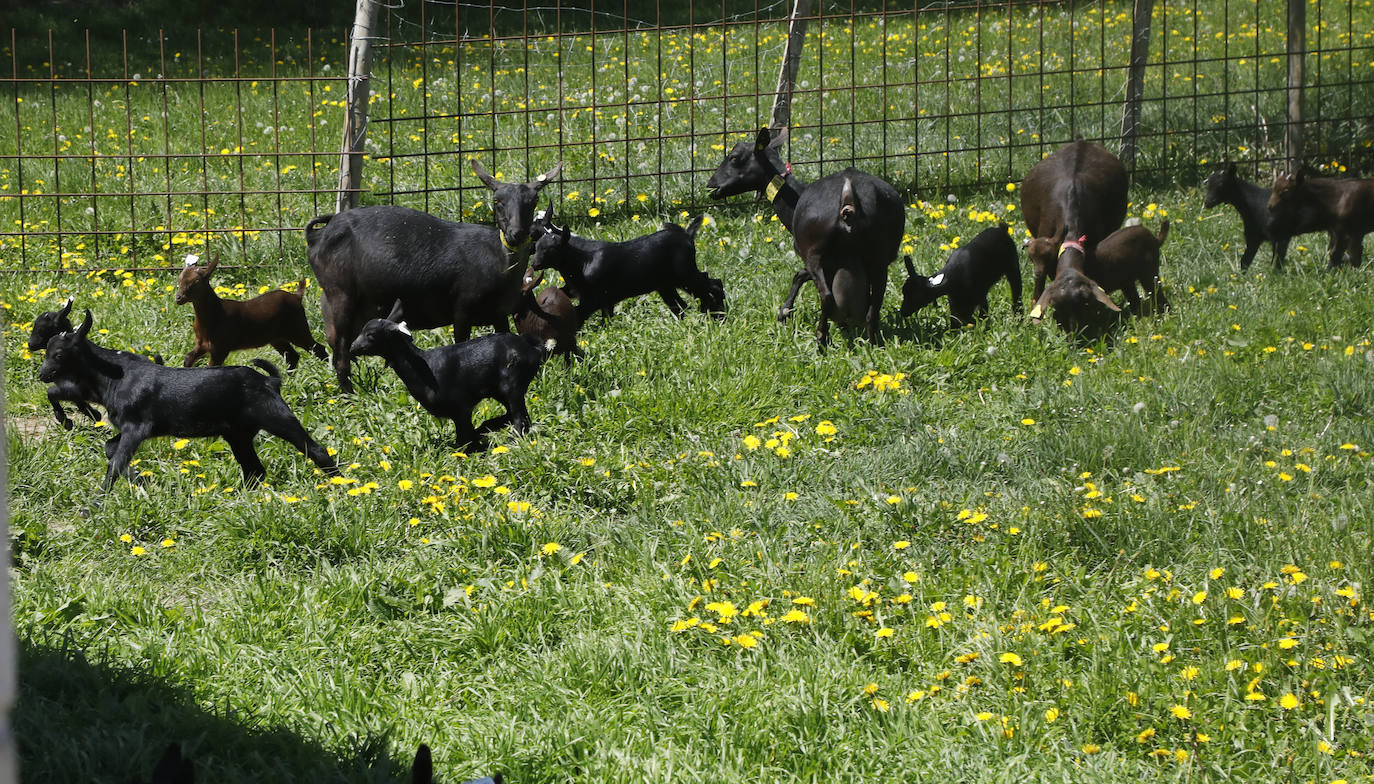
pixel 548 176
pixel 484 175
pixel 85 327
pixel 67 306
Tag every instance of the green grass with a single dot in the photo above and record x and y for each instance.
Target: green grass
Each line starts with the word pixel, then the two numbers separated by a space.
pixel 1048 529
pixel 299 630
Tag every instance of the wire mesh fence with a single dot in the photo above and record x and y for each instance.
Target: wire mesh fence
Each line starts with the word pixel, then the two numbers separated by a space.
pixel 127 154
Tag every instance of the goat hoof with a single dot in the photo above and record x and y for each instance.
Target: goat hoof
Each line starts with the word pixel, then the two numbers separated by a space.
pixel 784 313
pixel 67 424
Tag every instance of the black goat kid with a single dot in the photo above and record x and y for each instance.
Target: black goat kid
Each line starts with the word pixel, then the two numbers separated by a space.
pixel 449 381
pixel 45 326
pixel 967 277
pixel 145 400
pixel 603 274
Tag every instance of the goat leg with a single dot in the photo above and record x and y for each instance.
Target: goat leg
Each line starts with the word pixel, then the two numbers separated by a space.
pixel 1251 248
pixel 120 451
pixel 242 448
pixel 1280 248
pixel 788 304
pixel 468 439
pixel 288 353
pixel 284 425
pixel 54 395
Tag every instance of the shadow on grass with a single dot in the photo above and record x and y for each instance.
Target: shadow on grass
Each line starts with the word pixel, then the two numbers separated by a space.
pixel 90 721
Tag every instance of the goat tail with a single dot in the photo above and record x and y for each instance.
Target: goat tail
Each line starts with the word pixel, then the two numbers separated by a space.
pixel 1163 232
pixel 312 229
pixel 268 368
pixel 695 226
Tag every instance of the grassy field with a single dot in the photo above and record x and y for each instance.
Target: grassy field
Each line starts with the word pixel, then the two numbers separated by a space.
pixel 985 554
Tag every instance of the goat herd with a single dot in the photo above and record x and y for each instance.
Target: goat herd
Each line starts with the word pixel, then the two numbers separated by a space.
pixel 425 273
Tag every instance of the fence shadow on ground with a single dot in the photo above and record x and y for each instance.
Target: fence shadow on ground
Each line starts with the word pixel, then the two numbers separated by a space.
pixel 83 720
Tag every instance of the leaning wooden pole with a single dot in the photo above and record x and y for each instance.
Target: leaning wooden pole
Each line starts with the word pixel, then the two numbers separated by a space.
pixel 355 106
pixel 1297 56
pixel 1135 84
pixel 791 61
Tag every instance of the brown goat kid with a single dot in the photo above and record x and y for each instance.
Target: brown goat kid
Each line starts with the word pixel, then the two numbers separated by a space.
pixel 276 318
pixel 1343 207
pixel 1126 257
pixel 1080 305
pixel 549 316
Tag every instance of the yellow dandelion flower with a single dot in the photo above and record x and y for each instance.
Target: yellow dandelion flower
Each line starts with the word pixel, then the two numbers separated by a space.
pixel 1051 715
pixel 901 545
pixel 1289 701
pixel 884 632
pixel 550 548
pixel 1181 712
pixel 1010 658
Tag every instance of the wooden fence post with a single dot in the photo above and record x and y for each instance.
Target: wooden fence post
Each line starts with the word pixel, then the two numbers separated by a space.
pixel 355 108
pixel 791 61
pixel 1297 54
pixel 1135 84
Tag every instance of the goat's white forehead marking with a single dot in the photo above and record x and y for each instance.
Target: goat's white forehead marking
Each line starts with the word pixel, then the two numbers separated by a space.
pixel 191 259
pixel 938 279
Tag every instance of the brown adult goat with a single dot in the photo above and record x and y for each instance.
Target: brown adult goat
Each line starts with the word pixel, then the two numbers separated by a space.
pixel 1078 191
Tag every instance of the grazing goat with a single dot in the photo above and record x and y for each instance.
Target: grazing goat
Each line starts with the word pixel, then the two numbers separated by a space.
pixel 443 272
pixel 603 274
pixel 1342 207
pixel 1078 191
pixel 45 326
pixel 967 277
pixel 548 316
pixel 144 400
pixel 1079 304
pixel 846 227
pixel 449 381
pixel 1126 257
pixel 224 325
pixel 1252 202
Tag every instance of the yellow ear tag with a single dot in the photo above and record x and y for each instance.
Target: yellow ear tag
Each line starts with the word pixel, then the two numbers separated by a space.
pixel 774 186
pixel 1035 312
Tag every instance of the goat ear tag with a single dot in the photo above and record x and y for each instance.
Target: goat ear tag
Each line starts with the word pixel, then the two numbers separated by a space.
pixel 937 280
pixel 1035 312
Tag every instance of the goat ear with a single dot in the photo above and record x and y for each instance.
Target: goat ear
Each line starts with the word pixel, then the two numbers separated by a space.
pixel 66 308
pixel 396 314
pixel 484 175
pixel 910 268
pixel 763 139
pixel 547 177
pixel 85 327
pixel 1102 297
pixel 1041 305
pixel 422 769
